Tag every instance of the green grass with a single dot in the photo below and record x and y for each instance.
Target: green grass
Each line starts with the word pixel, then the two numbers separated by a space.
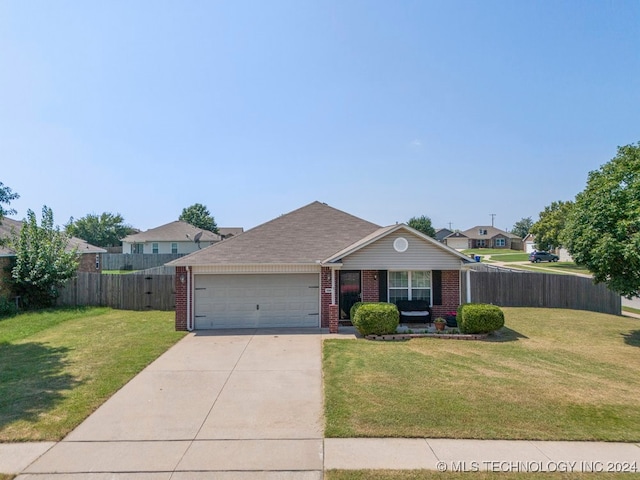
pixel 489 251
pixel 433 475
pixel 510 257
pixel 58 366
pixel 568 267
pixel 630 309
pixel 531 268
pixel 552 375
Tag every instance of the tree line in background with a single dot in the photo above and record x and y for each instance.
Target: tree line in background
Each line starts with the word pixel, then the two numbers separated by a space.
pixel 600 229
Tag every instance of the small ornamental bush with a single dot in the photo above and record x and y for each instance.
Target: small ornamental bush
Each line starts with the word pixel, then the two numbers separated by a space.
pixel 376 318
pixel 479 318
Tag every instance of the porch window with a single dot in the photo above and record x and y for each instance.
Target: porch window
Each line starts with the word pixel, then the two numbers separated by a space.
pixel 155 248
pixel 174 248
pixel 481 243
pixel 411 285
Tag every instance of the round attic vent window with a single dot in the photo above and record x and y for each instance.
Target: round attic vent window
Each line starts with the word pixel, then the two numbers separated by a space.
pixel 400 244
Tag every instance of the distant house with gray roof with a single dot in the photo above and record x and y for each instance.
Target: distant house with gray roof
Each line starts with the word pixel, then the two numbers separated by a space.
pixel 174 237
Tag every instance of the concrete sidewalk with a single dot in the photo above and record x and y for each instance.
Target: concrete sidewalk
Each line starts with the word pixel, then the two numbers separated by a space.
pixel 266 459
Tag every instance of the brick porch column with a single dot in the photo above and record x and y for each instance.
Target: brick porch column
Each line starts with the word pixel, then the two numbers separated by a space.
pixel 333 318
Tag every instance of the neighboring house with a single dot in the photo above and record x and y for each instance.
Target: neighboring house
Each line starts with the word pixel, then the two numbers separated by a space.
pixel 306 269
pixel 442 233
pixel 484 237
pixel 174 237
pixel 457 240
pixel 90 255
pixel 529 243
pixel 228 232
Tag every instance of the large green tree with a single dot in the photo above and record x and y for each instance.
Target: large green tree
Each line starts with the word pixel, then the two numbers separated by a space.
pixel 422 224
pixel 548 229
pixel 198 215
pixel 104 230
pixel 521 227
pixel 6 195
pixel 603 228
pixel 42 262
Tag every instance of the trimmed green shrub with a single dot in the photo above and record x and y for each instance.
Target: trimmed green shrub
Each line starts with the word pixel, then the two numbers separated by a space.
pixel 7 307
pixel 355 307
pixel 479 318
pixel 376 318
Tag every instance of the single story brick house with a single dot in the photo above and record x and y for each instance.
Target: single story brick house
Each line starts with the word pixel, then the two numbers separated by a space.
pixel 307 267
pixel 483 236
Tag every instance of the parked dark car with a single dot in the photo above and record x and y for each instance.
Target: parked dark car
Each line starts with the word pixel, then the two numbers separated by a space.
pixel 537 257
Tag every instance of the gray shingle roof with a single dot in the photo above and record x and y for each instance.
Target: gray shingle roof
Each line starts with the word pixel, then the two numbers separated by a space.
pixel 177 231
pixel 307 235
pixel 8 225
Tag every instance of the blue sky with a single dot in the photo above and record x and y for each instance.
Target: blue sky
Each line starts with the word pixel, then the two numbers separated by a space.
pixel 387 110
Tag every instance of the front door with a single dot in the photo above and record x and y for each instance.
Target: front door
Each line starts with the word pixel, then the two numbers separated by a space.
pixel 349 281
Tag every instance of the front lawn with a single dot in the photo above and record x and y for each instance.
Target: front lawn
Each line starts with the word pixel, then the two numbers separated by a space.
pixel 552 375
pixel 509 257
pixel 58 366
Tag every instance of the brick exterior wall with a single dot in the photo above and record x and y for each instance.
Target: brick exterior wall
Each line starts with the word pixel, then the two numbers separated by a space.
pixel 450 293
pixel 87 263
pixel 325 298
pixel 181 299
pixel 370 289
pixel 333 319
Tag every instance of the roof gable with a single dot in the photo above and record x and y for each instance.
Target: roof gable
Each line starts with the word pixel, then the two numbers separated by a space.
pixel 382 233
pixel 304 236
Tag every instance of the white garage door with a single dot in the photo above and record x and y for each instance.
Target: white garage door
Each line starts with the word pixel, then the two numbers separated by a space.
pixel 250 301
pixel 458 243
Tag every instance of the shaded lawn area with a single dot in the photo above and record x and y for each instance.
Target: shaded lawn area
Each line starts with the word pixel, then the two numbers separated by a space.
pixel 433 475
pixel 58 366
pixel 552 375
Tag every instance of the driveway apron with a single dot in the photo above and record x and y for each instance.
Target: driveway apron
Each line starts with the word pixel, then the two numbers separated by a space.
pixel 227 404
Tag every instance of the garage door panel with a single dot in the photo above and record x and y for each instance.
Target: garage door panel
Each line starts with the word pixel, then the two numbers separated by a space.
pixel 229 301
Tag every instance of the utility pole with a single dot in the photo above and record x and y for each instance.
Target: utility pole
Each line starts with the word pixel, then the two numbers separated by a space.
pixel 450 226
pixel 493 216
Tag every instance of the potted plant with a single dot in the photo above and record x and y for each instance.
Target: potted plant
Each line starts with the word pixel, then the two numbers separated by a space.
pixel 450 318
pixel 440 323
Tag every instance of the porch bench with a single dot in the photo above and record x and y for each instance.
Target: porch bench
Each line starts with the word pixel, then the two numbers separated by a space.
pixel 414 311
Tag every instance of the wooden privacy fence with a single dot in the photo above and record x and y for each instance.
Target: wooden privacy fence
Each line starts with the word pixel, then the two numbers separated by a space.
pixel 543 290
pixel 136 261
pixel 125 292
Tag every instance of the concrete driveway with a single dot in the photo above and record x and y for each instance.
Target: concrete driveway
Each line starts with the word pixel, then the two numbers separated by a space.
pixel 232 404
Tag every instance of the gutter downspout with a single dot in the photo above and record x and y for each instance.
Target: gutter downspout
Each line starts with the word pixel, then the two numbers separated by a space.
pixel 189 316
